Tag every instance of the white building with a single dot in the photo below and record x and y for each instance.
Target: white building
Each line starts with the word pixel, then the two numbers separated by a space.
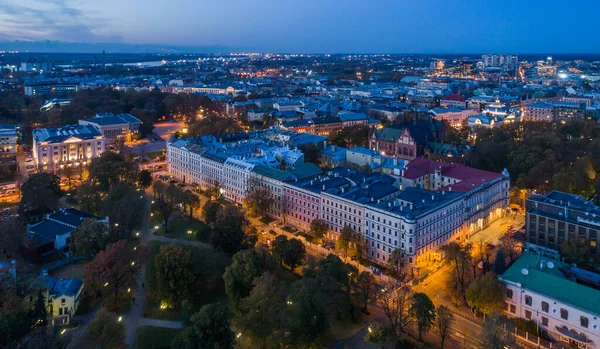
pixel 71 145
pixel 537 290
pixel 8 140
pixel 235 179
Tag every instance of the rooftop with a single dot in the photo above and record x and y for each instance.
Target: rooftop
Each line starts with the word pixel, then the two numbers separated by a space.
pixel 551 282
pixel 61 134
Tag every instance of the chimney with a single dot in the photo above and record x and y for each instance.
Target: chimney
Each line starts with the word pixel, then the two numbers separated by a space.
pixel 323 186
pixel 450 189
pixel 432 197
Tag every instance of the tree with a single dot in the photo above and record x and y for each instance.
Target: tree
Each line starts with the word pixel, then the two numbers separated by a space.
pixel 510 246
pixel 293 253
pixel 125 207
pixel 365 287
pixel 166 202
pixel 498 333
pixel 259 198
pixel 246 265
pixel 40 194
pixel 181 273
pixel 39 314
pixel 68 172
pixel 261 316
pixel 229 231
pixel 111 168
pixel 318 228
pixel 460 257
pixel 499 266
pixel 145 179
pixel 89 196
pixel 210 328
pixel 89 238
pixel 486 294
pixel 398 262
pixel 423 311
pixel 191 201
pixel 105 331
pixel 210 212
pixel 574 250
pixel 278 248
pixel 395 302
pixel 12 233
pixel 306 315
pixel 112 273
pixel 344 239
pixel 443 321
pixel 43 338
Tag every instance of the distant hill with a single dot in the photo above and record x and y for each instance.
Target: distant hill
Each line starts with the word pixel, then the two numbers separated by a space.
pixel 76 47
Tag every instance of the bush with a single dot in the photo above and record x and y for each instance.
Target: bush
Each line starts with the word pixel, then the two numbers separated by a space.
pixel 404 344
pixel 530 327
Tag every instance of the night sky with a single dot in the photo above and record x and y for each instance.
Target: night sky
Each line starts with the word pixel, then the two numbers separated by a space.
pixel 314 26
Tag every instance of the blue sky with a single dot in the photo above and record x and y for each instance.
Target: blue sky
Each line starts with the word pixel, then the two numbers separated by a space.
pixel 393 26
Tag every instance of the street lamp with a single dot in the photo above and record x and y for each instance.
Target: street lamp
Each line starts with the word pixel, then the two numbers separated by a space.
pixel 189 232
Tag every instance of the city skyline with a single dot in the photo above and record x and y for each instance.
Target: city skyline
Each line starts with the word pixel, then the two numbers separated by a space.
pixel 308 27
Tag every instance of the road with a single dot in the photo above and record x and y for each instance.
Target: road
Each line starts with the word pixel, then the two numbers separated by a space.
pixel 494 231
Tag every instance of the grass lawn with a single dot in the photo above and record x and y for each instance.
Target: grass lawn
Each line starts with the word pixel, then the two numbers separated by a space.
pixel 179 228
pixel 150 337
pixel 151 305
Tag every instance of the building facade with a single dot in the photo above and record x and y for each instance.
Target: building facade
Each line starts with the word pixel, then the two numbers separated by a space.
pixel 71 145
pixel 113 126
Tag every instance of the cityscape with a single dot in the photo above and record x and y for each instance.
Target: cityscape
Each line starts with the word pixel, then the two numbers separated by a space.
pixel 257 187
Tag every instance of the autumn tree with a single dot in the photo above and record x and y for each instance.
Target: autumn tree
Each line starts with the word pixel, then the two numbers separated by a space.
pixel 68 172
pixel 443 322
pixel 318 228
pixel 112 273
pixel 105 331
pixel 423 311
pixel 344 239
pixel 259 198
pixel 460 257
pixel 124 206
pixel 486 294
pixel 89 238
pixel 498 332
pixel 510 246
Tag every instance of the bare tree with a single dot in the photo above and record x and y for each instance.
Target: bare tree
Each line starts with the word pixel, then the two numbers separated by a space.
pixel 511 247
pixel 443 321
pixel 259 198
pixel 460 257
pixel 394 300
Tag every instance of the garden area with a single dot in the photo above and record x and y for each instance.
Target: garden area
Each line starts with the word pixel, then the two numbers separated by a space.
pixel 180 228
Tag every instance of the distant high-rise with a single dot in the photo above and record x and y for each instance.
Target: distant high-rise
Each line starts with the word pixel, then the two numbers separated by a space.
pixel 499 61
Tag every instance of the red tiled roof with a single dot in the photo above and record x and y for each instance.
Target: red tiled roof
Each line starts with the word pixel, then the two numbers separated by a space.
pixel 470 178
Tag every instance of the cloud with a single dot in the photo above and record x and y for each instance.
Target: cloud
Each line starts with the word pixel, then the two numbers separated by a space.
pixel 51 19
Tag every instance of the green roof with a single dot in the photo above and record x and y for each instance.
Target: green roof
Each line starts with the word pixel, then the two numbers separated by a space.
pixel 271 172
pixel 552 282
pixel 305 170
pixel 388 134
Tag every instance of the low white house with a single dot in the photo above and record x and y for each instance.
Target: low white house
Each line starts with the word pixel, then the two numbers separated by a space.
pixel 537 289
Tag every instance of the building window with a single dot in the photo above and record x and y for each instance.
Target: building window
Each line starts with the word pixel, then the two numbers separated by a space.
pixel 564 314
pixel 528 314
pixel 513 309
pixel 62 301
pixel 545 307
pixel 544 321
pixel 509 293
pixel 528 300
pixel 584 322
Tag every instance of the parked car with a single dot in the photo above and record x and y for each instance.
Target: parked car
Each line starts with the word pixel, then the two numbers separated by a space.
pixel 489 247
pixel 272 232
